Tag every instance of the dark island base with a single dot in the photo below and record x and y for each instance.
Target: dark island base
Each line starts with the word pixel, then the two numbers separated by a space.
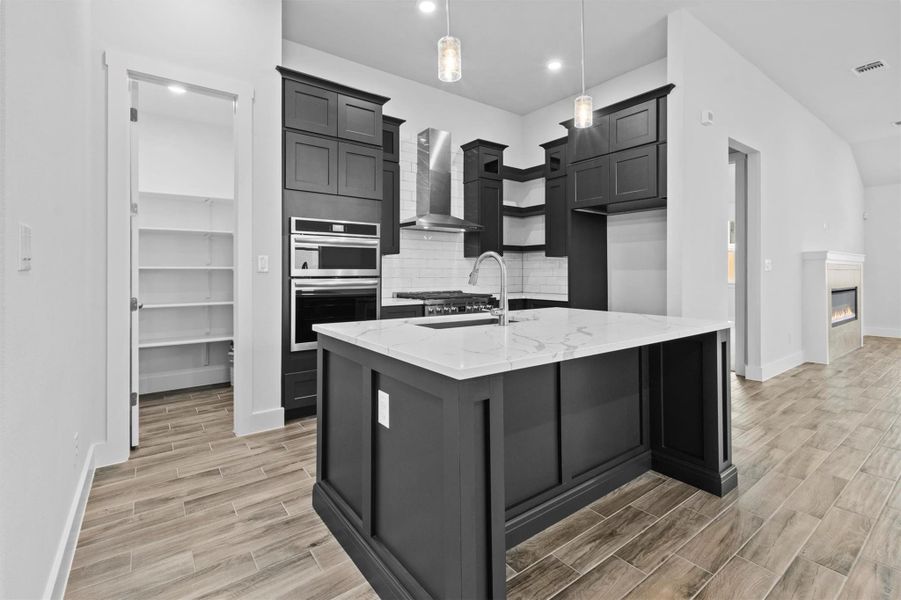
pixel 427 507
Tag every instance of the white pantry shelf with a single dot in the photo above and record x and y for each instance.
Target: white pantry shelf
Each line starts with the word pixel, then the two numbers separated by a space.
pixel 185 268
pixel 168 342
pixel 188 304
pixel 182 197
pixel 184 230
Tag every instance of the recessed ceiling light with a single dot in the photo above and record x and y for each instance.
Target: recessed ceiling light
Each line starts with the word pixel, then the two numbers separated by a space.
pixel 177 89
pixel 426 6
pixel 897 123
pixel 554 65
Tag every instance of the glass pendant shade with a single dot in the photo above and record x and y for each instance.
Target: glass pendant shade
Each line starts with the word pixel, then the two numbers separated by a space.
pixel 582 112
pixel 450 67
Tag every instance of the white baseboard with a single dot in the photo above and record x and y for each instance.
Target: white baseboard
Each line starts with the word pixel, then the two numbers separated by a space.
pixel 183 378
pixel 892 332
pixel 263 420
pixel 776 367
pixel 65 551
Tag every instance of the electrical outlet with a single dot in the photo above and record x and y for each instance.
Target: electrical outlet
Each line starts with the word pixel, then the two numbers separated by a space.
pixel 767 264
pixel 263 263
pixel 24 247
pixel 384 409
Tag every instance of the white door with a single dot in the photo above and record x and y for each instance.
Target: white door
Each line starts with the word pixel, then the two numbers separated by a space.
pixel 134 396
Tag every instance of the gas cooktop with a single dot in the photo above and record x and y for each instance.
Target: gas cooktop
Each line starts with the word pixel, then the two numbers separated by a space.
pixel 450 301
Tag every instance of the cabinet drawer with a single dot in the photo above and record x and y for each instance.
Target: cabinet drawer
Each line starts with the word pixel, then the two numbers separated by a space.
pixel 311 163
pixel 634 174
pixel 310 108
pixel 589 182
pixel 390 230
pixel 359 120
pixel 590 142
pixel 402 312
pixel 359 171
pixel 633 126
pixel 300 389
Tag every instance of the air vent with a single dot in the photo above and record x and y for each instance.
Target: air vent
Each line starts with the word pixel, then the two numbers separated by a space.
pixel 870 67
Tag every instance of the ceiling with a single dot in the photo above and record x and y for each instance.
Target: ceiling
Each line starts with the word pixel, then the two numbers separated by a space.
pixel 808 47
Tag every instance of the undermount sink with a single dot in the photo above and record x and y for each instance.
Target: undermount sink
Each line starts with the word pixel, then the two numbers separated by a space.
pixel 470 323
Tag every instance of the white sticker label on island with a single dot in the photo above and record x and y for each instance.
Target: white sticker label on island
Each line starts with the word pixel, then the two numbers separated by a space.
pixel 384 409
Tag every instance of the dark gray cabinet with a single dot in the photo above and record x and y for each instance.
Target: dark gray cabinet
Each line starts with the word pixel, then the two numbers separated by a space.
pixel 402 312
pixel 310 108
pixel 391 138
pixel 390 229
pixel 483 204
pixel 555 158
pixel 311 163
pixel 584 144
pixel 300 390
pixel 633 174
pixel 661 170
pixel 359 120
pixel 589 182
pixel 555 213
pixel 483 160
pixel 634 126
pixel 359 171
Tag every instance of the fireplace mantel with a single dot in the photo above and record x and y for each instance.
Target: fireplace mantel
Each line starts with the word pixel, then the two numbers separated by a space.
pixel 823 272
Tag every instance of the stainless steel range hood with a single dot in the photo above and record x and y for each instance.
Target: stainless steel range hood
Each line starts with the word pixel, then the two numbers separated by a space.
pixel 433 186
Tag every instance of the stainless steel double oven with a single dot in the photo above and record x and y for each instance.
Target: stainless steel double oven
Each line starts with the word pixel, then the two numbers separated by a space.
pixel 335 275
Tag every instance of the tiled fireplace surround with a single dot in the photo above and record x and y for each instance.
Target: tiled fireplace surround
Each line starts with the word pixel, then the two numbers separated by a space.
pixel 823 272
pixel 434 260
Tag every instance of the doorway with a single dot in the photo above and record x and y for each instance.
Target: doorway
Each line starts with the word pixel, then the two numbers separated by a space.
pixel 182 173
pixel 737 256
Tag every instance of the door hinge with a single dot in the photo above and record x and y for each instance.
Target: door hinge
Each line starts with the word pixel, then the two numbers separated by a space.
pixel 134 208
pixel 133 115
pixel 134 398
pixel 134 304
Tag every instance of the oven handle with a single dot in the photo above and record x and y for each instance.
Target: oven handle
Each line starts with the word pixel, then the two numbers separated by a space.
pixel 321 240
pixel 319 285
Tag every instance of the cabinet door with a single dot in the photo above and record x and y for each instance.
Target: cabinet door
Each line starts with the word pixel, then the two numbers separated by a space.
pixel 391 142
pixel 359 171
pixel 555 162
pixel 555 217
pixel 589 142
pixel 633 126
pixel 661 171
pixel 310 108
pixel 311 163
pixel 483 203
pixel 634 174
pixel 390 229
pixel 402 312
pixel 491 163
pixel 589 182
pixel 359 120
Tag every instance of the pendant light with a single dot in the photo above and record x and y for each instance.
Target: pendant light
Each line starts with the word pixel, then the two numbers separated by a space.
pixel 582 111
pixel 450 61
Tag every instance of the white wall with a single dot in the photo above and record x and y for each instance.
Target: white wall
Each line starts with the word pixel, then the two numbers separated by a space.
pixel 180 156
pixel 811 197
pixel 240 40
pixel 882 269
pixel 52 318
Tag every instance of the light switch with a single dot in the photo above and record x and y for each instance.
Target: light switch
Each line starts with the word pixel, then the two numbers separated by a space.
pixel 263 263
pixel 767 264
pixel 24 247
pixel 384 409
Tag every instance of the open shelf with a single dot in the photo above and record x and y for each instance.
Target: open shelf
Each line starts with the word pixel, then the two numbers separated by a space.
pixel 529 248
pixel 166 342
pixel 184 230
pixel 511 210
pixel 200 304
pixel 181 197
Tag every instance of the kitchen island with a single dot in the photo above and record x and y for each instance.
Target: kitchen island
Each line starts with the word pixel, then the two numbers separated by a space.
pixel 444 441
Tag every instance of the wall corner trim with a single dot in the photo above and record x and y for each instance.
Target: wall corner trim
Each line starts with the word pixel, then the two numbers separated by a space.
pixel 59 573
pixel 263 420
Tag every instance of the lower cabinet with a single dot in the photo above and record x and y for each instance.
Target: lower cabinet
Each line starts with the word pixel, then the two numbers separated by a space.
pixel 300 390
pixel 402 312
pixel 483 203
pixel 555 211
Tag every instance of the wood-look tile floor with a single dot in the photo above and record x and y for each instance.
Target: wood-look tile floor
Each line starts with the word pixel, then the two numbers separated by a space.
pixel 817 512
pixel 198 512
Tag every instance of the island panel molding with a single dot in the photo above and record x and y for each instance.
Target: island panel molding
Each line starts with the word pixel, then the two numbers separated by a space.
pixel 490 438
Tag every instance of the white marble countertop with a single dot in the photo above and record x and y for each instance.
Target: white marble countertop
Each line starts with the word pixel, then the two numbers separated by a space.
pixel 538 337
pixel 535 296
pixel 389 301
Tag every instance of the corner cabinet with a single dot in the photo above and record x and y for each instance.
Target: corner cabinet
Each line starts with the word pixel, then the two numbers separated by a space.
pixel 483 196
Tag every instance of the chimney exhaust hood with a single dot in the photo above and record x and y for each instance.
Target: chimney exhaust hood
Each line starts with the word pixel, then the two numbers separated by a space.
pixel 433 185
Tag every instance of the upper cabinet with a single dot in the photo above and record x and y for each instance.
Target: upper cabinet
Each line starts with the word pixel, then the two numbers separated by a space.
pixel 589 142
pixel 633 174
pixel 310 108
pixel 390 230
pixel 311 163
pixel 589 183
pixel 359 120
pixel 483 196
pixel 482 160
pixel 634 126
pixel 391 138
pixel 555 158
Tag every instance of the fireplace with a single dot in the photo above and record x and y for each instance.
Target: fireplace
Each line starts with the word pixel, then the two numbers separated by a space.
pixel 844 306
